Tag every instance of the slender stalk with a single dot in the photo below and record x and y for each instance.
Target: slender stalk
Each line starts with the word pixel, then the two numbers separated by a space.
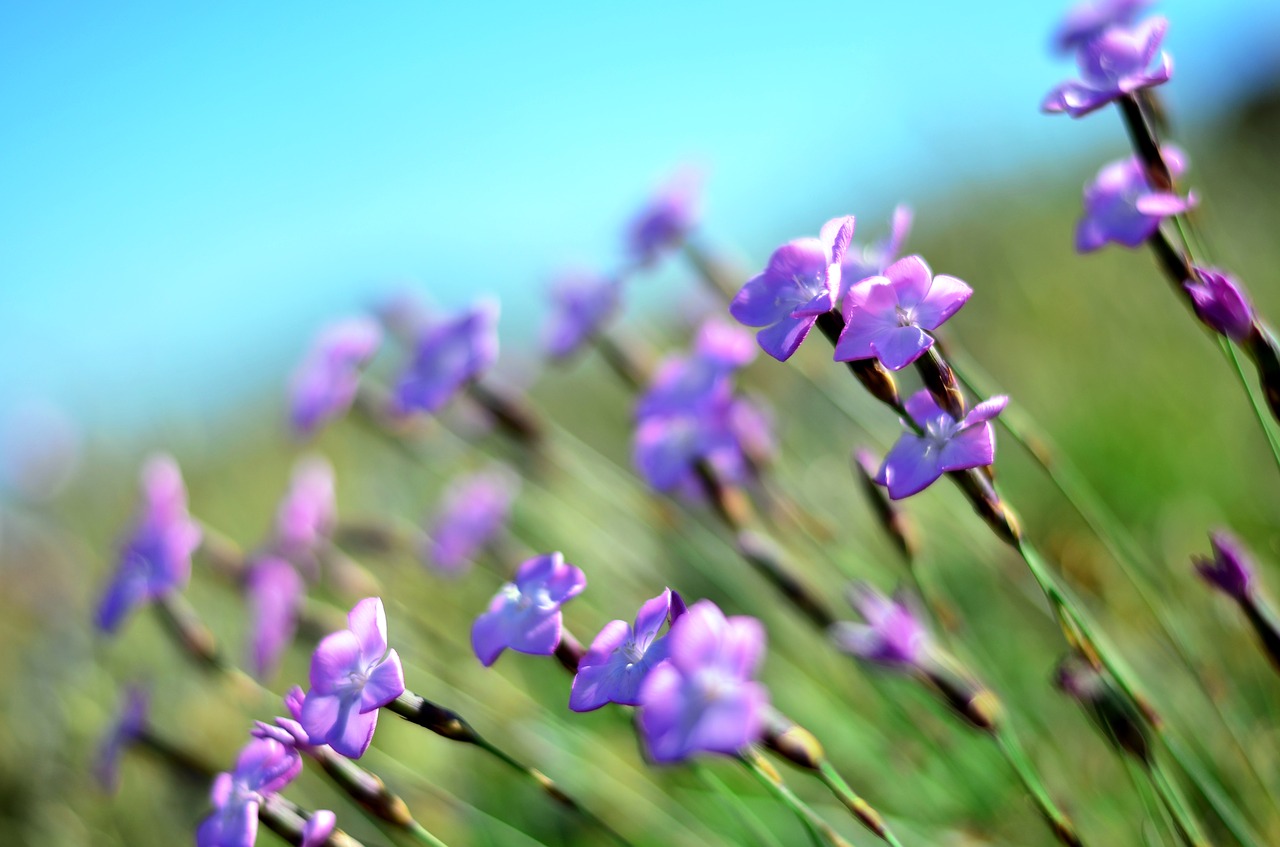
pixel 1172 799
pixel 1013 753
pixel 855 804
pixel 750 819
pixel 819 830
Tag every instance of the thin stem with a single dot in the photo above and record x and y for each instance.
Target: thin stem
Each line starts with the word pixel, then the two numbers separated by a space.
pixel 1173 800
pixel 1013 753
pixel 1260 410
pixel 819 830
pixel 751 820
pixel 862 810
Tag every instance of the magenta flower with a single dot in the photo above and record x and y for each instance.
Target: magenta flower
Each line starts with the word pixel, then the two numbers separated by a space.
pixel 942 445
pixel 801 282
pixel 666 220
pixel 525 614
pixel 264 767
pixel 1221 303
pixel 473 511
pixel 1121 206
pixel 155 559
pixel 886 317
pixel 1113 64
pixel 275 595
pixel 891 635
pixel 621 657
pixel 861 262
pixel 306 515
pixel 446 357
pixel 582 304
pixel 1229 570
pixel 128 727
pixel 1087 20
pixel 352 676
pixel 325 384
pixel 703 697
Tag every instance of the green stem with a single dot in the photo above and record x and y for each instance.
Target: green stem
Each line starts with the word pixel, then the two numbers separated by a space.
pixel 1017 758
pixel 1260 411
pixel 419 832
pixel 854 802
pixel 749 818
pixel 819 830
pixel 1173 800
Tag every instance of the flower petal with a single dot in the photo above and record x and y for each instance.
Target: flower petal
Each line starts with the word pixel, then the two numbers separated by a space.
pixel 337 655
pixel 385 684
pixel 368 620
pixel 974 447
pixel 901 346
pixel 651 617
pixel 783 338
pixel 946 295
pixel 909 468
pixel 911 278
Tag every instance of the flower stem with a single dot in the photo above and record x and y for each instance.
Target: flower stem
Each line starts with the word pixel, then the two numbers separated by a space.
pixel 1013 753
pixel 819 830
pixel 750 819
pixel 1172 799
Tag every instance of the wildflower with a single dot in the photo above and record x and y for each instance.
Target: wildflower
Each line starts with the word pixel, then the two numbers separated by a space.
pixel 886 316
pixel 525 614
pixel 801 282
pixel 264 767
pixel 1113 64
pixel 128 727
pixel 474 509
pixel 155 560
pixel 1121 206
pixel 275 592
pixel 666 221
pixel 871 259
pixel 1221 303
pixel 352 676
pixel 943 444
pixel 446 357
pixel 1229 570
pixel 582 304
pixel 891 635
pixel 1087 20
pixel 325 384
pixel 668 448
pixel 703 697
pixel 621 657
pixel 288 731
pixel 306 515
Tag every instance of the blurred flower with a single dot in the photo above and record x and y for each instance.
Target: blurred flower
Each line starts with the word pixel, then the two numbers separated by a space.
pixel 944 444
pixel 525 614
pixel 264 767
pixel 1113 64
pixel 1121 206
pixel 275 593
pixel 801 282
pixel 325 384
pixel 670 215
pixel 318 828
pixel 306 514
pixel 581 303
pixel 620 657
pixel 446 357
pixel 1122 725
pixel 155 560
pixel 861 262
pixel 684 383
pixel 1221 303
pixel 473 510
pixel 668 447
pixel 1087 20
pixel 352 676
pixel 1229 570
pixel 128 727
pixel 886 316
pixel 703 697
pixel 891 635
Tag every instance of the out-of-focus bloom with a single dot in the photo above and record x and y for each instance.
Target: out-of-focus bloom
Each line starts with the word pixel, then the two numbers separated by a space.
pixel 703 697
pixel 891 635
pixel 325 384
pixel 525 614
pixel 155 559
pixel 861 262
pixel 668 447
pixel 666 220
pixel 275 592
pixel 446 357
pixel 685 383
pixel 265 766
pixel 1229 570
pixel 128 726
pixel 1121 206
pixel 1121 724
pixel 1087 20
pixel 318 828
pixel 306 515
pixel 886 316
pixel 581 304
pixel 1114 63
pixel 944 444
pixel 352 676
pixel 1221 303
pixel 621 657
pixel 801 282
pixel 473 511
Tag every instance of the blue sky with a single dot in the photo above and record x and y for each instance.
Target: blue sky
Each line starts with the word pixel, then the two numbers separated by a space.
pixel 188 190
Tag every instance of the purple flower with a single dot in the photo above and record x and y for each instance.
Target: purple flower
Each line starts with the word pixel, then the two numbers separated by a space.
pixel 265 766
pixel 446 357
pixel 686 383
pixel 582 304
pixel 306 515
pixel 288 731
pixel 703 697
pixel 1230 570
pixel 943 445
pixel 352 676
pixel 474 509
pixel 891 635
pixel 129 725
pixel 1121 206
pixel 621 657
pixel 155 559
pixel 801 282
pixel 324 385
pixel 275 593
pixel 1221 303
pixel 1087 20
pixel 1113 64
pixel 318 828
pixel 668 447
pixel 861 262
pixel 886 316
pixel 525 615
pixel 666 220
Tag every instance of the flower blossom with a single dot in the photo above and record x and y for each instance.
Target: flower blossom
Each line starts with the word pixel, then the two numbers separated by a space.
pixel 620 658
pixel 275 592
pixel 325 384
pixel 582 303
pixel 862 261
pixel 1229 570
pixel 155 559
pixel 446 357
pixel 264 767
pixel 352 676
pixel 943 444
pixel 1221 304
pixel 306 515
pixel 886 317
pixel 892 634
pixel 1121 206
pixel 128 727
pixel 667 219
pixel 473 511
pixel 1114 63
pixel 525 614
pixel 801 282
pixel 1088 19
pixel 703 697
